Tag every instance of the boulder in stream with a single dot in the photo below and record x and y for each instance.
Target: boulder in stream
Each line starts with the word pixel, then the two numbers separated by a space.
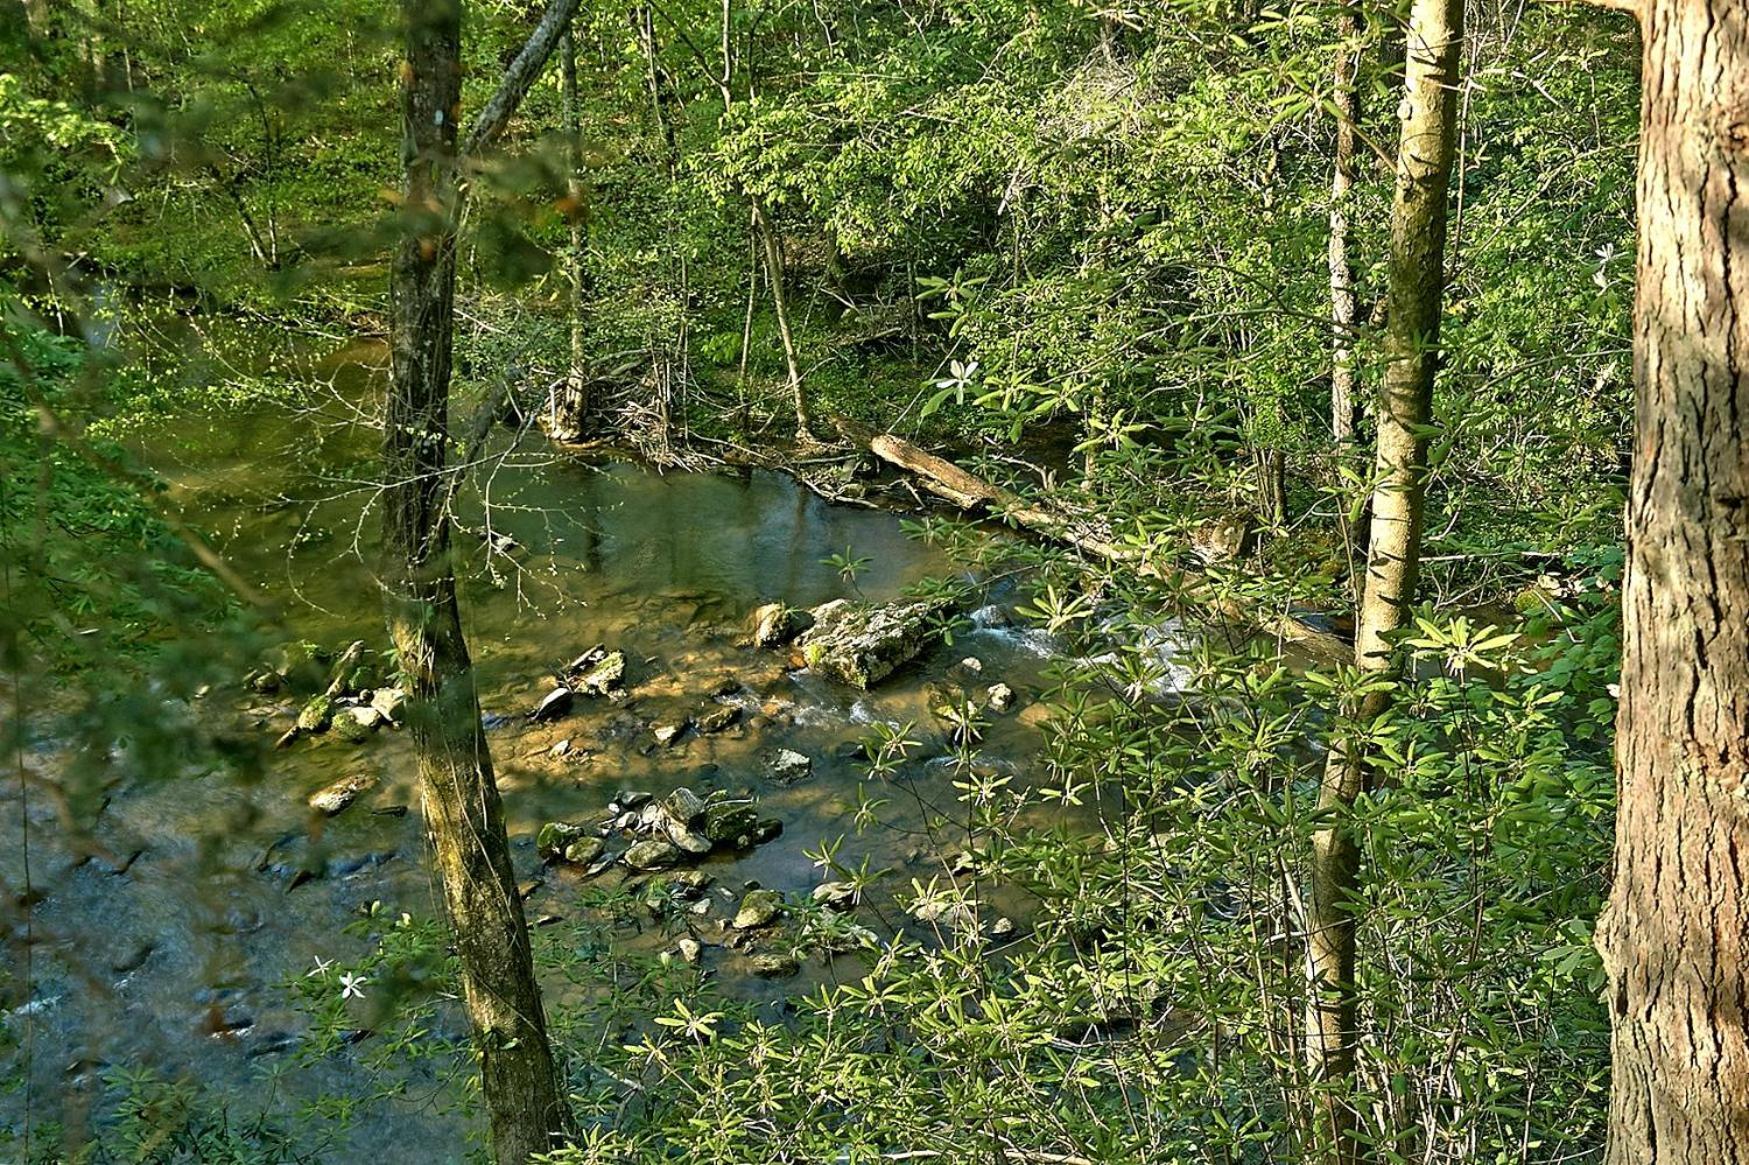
pixel 388 703
pixel 355 723
pixel 316 715
pixel 790 766
pixel 593 674
pixel 680 812
pixel 1000 697
pixel 861 644
pixel 561 841
pixel 759 908
pixel 775 624
pixel 653 854
pixel 555 704
pixel 720 720
pixel 731 822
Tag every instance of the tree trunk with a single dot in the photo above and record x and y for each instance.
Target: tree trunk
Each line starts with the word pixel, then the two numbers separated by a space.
pixel 773 256
pixel 1346 97
pixel 773 252
pixel 462 810
pixel 1676 930
pixel 1271 464
pixel 1417 279
pixel 567 417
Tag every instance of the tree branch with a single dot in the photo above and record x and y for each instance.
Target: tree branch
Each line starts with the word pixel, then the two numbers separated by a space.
pixel 529 62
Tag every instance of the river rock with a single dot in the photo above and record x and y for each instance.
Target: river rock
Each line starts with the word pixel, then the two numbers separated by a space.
pixel 775 965
pixel 653 854
pixel 944 910
pixel 667 734
pixel 689 839
pixel 1000 697
pixel 790 766
pixel 727 823
pixel 388 703
pixel 554 705
pixel 775 624
pixel 316 715
pixel 683 806
pixel 690 949
pixel 562 841
pixel 603 677
pixel 719 721
pixel 860 645
pixel 759 908
pixel 355 724
pixel 337 797
pixel 1003 928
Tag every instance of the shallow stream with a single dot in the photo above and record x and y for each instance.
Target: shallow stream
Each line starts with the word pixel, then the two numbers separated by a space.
pixel 177 962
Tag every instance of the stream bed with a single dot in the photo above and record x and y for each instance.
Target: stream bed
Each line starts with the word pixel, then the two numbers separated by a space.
pixel 176 954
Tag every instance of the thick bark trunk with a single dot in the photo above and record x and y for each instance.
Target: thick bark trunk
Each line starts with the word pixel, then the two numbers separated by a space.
pixel 1676 930
pixel 1417 280
pixel 567 419
pixel 462 810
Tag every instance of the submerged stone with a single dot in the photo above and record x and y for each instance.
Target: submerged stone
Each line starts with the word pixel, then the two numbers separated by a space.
pixel 1000 697
pixel 719 721
pixel 337 797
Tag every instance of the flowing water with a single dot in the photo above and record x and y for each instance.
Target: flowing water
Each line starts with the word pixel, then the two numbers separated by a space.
pixel 177 959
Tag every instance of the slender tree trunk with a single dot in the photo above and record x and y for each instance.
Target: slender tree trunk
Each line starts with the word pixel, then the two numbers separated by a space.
pixel 1346 96
pixel 462 810
pixel 1675 936
pixel 1271 464
pixel 1417 278
pixel 773 252
pixel 567 417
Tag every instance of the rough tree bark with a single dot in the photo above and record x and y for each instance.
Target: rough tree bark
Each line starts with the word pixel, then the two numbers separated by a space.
pixel 1417 282
pixel 463 813
pixel 1675 935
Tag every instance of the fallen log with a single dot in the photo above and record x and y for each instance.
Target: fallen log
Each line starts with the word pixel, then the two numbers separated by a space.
pixel 970 492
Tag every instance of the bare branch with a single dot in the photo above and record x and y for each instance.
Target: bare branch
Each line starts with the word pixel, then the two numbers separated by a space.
pixel 529 62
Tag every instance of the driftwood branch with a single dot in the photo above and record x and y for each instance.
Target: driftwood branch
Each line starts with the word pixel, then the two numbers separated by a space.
pixel 970 492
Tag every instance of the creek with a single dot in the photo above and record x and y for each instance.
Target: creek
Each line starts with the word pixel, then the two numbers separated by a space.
pixel 177 956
